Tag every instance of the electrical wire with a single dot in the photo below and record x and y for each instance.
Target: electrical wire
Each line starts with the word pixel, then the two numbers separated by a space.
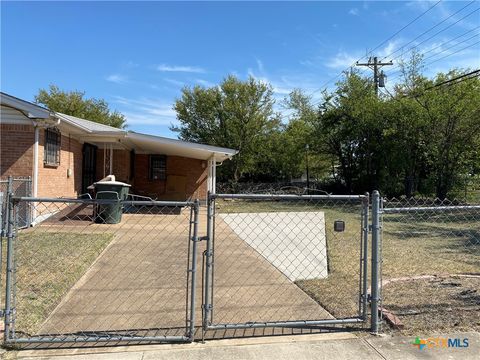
pixel 433 27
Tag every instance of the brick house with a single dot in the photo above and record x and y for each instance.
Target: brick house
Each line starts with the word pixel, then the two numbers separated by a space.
pixel 64 155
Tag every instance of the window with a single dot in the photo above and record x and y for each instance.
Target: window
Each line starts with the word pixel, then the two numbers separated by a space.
pixel 51 151
pixel 158 167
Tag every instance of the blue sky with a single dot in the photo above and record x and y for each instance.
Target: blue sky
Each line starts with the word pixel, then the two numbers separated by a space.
pixel 138 56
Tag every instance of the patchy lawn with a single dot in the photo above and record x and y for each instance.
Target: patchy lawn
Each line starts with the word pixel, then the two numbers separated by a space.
pixel 440 304
pixel 413 244
pixel 48 264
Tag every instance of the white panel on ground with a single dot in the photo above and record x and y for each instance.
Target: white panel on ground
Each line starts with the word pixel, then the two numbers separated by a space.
pixel 293 242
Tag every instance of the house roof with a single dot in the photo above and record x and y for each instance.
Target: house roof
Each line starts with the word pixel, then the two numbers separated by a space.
pixel 100 134
pixel 87 125
pixel 30 110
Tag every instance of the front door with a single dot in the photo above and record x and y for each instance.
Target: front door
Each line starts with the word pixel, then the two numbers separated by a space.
pixel 89 166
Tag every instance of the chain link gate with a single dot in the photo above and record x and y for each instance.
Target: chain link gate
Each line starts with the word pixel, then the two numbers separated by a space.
pixel 80 276
pixel 288 261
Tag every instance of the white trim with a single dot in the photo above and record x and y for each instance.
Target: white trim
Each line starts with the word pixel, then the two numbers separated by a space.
pixel 190 145
pixel 29 109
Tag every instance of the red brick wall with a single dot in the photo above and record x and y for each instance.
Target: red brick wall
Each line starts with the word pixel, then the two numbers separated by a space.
pixel 54 181
pixel 16 149
pixel 194 170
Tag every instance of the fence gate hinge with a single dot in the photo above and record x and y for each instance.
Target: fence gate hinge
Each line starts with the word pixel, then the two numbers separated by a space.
pixel 208 307
pixel 202 238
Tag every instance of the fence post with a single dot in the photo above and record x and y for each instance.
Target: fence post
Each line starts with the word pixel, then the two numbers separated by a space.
pixel 366 205
pixel 375 296
pixel 208 263
pixel 195 239
pixel 9 261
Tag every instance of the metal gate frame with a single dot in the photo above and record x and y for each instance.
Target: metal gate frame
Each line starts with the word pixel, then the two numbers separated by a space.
pixel 364 297
pixel 9 312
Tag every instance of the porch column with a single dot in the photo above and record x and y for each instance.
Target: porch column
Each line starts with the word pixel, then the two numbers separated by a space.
pixel 107 161
pixel 212 175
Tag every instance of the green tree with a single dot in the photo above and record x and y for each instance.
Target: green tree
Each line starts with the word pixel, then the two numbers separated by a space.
pixel 236 114
pixel 350 129
pixel 74 103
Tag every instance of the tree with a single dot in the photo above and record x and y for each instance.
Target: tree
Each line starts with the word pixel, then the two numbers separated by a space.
pixel 236 114
pixel 350 128
pixel 73 103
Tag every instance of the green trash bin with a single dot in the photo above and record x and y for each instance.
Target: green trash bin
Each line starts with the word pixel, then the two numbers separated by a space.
pixel 110 190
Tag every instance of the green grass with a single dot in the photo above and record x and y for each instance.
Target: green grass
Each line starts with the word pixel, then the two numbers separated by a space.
pixel 47 265
pixel 413 244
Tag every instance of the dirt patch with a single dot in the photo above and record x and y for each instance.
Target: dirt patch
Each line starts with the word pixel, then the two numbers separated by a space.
pixel 435 304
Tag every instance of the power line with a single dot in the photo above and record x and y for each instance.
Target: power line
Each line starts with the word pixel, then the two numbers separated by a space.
pixel 395 34
pixel 443 57
pixel 449 41
pixel 467 76
pixel 433 27
pixel 378 46
pixel 455 45
pixel 438 32
pixel 403 28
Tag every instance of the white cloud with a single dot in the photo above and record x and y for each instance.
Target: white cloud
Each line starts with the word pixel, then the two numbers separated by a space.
pixel 117 78
pixel 341 60
pixel 175 82
pixel 205 83
pixel 146 111
pixel 353 11
pixel 180 68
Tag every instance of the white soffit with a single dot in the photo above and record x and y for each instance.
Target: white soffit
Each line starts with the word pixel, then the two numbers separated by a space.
pixel 160 145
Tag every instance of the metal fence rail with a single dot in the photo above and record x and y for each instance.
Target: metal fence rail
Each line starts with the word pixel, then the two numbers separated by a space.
pixel 81 276
pixel 285 261
pixel 431 263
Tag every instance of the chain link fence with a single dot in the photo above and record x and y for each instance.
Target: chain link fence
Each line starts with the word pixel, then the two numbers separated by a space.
pixel 431 264
pixel 96 271
pixel 285 260
pixel 112 271
pixel 19 186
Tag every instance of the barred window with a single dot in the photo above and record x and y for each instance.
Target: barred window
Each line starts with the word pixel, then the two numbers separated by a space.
pixel 158 167
pixel 51 150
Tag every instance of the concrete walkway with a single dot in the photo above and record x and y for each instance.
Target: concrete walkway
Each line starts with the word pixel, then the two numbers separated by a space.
pixel 305 347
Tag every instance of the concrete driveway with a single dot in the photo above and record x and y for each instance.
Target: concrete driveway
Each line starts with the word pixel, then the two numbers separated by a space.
pixel 139 281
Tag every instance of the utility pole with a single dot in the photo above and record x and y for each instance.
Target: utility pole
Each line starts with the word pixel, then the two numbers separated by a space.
pixel 375 65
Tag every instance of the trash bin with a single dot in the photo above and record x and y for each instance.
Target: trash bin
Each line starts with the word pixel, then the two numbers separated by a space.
pixel 110 190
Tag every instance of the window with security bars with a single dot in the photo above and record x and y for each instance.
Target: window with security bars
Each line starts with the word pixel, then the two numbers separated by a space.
pixel 158 167
pixel 51 154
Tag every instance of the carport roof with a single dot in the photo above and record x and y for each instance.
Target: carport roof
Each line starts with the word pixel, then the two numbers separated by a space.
pixel 99 134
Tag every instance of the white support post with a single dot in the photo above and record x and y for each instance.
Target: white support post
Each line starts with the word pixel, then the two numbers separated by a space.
pixel 35 170
pixel 104 160
pixel 111 160
pixel 212 173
